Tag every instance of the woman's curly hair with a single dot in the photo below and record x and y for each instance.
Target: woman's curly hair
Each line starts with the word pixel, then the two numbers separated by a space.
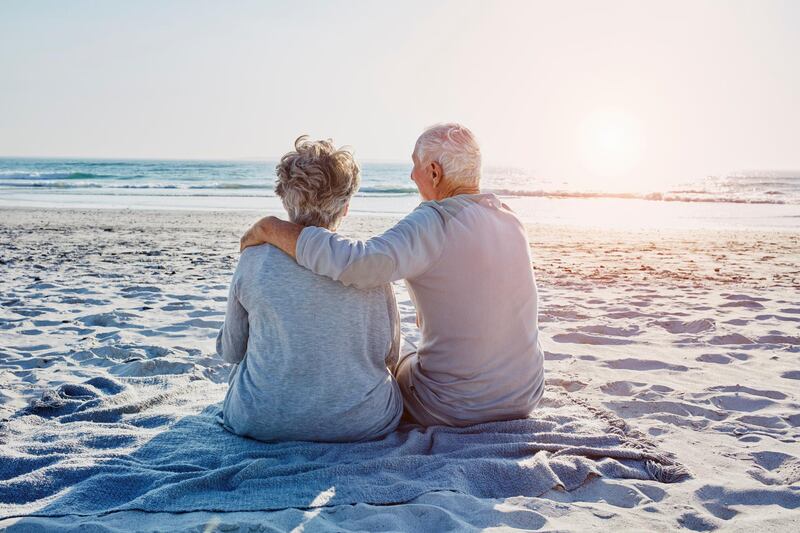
pixel 316 182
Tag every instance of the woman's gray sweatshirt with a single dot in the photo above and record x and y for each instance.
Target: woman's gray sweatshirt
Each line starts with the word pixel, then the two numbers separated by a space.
pixel 311 354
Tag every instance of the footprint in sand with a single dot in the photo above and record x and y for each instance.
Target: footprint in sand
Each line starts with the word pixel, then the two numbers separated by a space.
pixel 32 312
pixel 671 412
pixel 696 522
pixel 739 402
pixel 114 354
pixel 775 468
pixel 733 338
pixel 693 326
pixel 621 388
pixel 140 291
pixel 192 324
pixel 632 363
pixel 582 338
pixel 186 297
pixel 46 323
pixel 35 362
pixel 152 367
pixel 616 315
pixel 766 422
pixel 719 500
pixel 28 349
pixel 749 304
pixel 772 394
pixel 609 330
pixel 555 356
pixel 779 339
pixel 206 312
pixel 744 298
pixel 40 285
pixel 74 300
pixel 177 306
pixel 723 359
pixel 717 358
pixel 113 319
pixel 778 317
pixel 566 384
pixel 81 290
pixel 610 492
pixel 554 314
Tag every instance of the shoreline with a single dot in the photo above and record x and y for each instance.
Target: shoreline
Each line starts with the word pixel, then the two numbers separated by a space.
pixel 581 213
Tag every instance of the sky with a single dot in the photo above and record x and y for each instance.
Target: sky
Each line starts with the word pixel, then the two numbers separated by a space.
pixel 623 91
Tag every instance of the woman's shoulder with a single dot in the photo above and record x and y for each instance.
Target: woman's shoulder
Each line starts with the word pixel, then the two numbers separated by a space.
pixel 266 263
pixel 256 260
pixel 256 255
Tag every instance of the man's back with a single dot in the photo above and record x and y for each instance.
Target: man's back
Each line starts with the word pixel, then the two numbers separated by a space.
pixel 480 357
pixel 316 357
pixel 468 268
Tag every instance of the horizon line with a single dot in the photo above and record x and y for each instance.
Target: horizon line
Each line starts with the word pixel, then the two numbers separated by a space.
pixel 249 159
pixel 266 159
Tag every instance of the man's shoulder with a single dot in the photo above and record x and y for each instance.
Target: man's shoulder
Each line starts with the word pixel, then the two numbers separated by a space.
pixel 450 208
pixel 429 213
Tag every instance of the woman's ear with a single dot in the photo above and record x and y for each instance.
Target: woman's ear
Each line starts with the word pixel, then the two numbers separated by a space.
pixel 346 209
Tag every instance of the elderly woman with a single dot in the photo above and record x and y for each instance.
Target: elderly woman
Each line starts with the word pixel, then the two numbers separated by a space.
pixel 465 259
pixel 313 356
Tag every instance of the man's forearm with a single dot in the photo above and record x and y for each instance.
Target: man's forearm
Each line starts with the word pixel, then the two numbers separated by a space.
pixel 274 231
pixel 285 235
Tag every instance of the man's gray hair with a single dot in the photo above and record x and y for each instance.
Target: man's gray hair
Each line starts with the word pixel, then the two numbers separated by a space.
pixel 316 182
pixel 455 148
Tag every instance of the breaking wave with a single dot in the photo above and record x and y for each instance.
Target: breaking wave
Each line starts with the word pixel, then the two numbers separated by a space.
pixel 245 178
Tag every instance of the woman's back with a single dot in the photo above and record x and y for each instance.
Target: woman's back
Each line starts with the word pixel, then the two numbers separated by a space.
pixel 317 352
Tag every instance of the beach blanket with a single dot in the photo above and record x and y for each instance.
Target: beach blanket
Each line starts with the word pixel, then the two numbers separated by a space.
pixel 155 444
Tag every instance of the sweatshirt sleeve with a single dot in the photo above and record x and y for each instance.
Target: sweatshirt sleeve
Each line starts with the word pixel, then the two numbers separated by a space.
pixel 393 355
pixel 232 338
pixel 405 251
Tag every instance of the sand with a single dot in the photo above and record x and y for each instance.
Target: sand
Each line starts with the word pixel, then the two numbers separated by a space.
pixel 690 336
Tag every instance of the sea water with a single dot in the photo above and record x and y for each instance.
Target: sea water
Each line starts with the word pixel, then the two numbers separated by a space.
pixel 753 200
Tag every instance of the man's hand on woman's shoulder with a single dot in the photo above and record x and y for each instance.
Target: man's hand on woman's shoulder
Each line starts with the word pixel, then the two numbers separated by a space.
pixel 274 231
pixel 256 234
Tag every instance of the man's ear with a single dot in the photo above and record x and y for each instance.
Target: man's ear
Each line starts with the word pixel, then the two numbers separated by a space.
pixel 436 173
pixel 346 209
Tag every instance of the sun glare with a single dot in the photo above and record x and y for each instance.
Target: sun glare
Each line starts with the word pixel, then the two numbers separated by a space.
pixel 611 144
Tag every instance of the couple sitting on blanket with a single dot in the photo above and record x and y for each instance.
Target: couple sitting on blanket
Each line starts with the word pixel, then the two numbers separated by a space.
pixel 312 324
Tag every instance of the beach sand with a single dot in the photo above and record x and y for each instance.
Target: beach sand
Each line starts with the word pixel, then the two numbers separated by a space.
pixel 693 337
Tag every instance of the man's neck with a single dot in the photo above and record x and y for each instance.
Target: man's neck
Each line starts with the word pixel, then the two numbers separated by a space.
pixel 458 189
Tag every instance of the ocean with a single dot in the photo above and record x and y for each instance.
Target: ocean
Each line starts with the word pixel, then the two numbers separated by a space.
pixel 753 199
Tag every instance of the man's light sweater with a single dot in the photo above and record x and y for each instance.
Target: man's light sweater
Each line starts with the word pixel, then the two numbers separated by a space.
pixel 467 265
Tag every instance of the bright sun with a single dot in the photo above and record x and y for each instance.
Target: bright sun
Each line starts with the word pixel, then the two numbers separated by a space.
pixel 611 144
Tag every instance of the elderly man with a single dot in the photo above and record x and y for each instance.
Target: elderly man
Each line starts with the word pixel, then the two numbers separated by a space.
pixel 465 259
pixel 312 355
